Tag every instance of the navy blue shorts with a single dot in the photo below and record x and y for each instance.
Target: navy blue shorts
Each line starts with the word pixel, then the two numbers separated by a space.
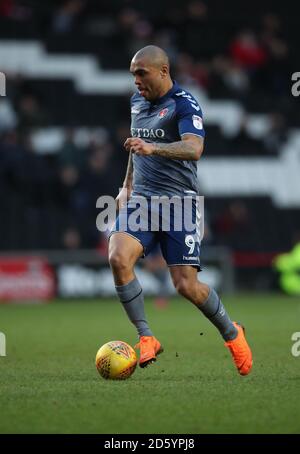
pixel 179 241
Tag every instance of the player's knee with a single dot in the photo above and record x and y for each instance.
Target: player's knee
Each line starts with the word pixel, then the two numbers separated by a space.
pixel 118 261
pixel 183 286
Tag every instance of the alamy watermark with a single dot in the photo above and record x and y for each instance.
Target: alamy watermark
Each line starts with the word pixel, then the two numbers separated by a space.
pixel 2 344
pixel 295 350
pixel 2 84
pixel 155 213
pixel 296 86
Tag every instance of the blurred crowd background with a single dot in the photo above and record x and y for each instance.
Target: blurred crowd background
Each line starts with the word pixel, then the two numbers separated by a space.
pixel 61 147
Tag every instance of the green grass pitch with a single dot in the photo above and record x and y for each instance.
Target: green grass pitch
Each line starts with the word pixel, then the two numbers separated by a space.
pixel 49 384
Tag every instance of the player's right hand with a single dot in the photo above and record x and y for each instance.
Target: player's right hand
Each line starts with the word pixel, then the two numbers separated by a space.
pixel 123 197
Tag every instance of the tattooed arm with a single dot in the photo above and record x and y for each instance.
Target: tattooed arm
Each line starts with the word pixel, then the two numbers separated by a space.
pixel 189 148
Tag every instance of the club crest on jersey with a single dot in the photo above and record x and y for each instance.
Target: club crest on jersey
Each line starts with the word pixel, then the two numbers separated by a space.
pixel 197 122
pixel 163 113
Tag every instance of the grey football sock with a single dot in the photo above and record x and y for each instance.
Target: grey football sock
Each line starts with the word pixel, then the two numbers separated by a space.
pixel 131 297
pixel 214 310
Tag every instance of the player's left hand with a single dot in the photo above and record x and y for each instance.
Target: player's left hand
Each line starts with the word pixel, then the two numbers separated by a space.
pixel 139 146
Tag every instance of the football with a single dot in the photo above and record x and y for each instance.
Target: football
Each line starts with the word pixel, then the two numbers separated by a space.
pixel 116 360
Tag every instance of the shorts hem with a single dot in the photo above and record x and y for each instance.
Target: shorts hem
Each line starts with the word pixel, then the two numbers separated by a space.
pixel 186 264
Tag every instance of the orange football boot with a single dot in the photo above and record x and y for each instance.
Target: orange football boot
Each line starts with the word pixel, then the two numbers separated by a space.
pixel 149 347
pixel 240 351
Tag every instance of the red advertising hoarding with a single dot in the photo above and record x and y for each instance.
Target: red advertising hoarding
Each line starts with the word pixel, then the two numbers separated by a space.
pixel 26 279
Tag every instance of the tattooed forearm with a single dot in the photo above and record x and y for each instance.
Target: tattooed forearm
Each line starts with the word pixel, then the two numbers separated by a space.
pixel 177 150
